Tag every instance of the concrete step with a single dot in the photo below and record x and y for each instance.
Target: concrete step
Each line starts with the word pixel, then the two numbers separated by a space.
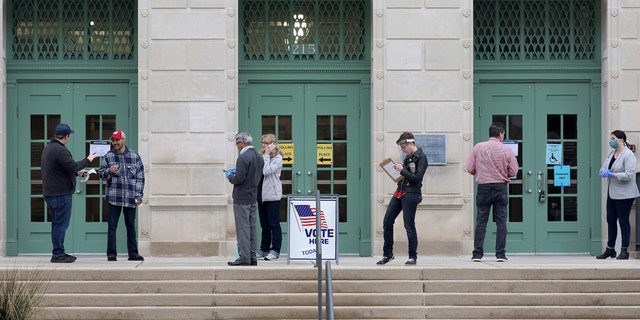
pixel 132 286
pixel 533 312
pixel 129 300
pixel 533 299
pixel 311 312
pixel 311 299
pixel 110 312
pixel 283 285
pixel 533 286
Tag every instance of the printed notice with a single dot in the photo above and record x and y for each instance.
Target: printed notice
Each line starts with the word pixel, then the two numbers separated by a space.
pixel 99 147
pixel 387 166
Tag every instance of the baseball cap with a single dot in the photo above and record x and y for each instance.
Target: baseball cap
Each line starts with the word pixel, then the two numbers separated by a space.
pixel 118 134
pixel 63 129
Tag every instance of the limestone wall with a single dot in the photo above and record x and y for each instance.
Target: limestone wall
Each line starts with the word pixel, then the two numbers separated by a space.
pixel 187 119
pixel 423 82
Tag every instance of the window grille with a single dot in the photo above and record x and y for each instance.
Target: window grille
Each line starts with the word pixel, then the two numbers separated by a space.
pixel 311 30
pixel 72 30
pixel 535 30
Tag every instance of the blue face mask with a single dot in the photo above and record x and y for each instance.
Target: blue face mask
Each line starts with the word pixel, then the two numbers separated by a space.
pixel 613 143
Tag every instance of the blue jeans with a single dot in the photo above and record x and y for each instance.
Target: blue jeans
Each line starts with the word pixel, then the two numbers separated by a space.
pixel 269 214
pixel 618 210
pixel 496 195
pixel 60 207
pixel 130 224
pixel 408 205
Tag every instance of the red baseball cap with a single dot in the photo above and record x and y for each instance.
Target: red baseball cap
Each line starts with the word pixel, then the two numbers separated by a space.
pixel 118 134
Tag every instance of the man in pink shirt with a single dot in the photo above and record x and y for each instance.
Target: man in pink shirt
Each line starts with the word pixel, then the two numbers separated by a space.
pixel 493 163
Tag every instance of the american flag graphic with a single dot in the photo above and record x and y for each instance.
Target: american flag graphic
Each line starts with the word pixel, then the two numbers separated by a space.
pixel 308 216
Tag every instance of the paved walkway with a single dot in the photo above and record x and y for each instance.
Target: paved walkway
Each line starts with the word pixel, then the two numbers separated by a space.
pixel 515 261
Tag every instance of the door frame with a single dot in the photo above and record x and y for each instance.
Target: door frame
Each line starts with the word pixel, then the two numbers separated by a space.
pixel 364 145
pixel 18 75
pixel 585 75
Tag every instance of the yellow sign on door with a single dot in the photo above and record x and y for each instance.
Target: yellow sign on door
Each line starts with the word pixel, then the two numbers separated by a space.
pixel 287 153
pixel 324 153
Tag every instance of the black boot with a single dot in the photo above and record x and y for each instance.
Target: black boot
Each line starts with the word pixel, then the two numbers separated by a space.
pixel 608 253
pixel 624 254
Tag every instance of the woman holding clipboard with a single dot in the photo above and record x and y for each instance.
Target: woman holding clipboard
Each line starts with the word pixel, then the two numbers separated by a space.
pixel 405 198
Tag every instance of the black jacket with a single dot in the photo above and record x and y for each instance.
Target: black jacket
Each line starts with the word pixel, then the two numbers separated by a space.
pixel 59 170
pixel 412 181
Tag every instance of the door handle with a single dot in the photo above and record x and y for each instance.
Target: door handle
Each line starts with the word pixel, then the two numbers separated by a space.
pixel 80 187
pixel 526 181
pixel 313 181
pixel 295 182
pixel 541 187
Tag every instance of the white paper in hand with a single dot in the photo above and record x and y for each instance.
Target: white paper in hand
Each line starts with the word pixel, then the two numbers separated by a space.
pixel 89 173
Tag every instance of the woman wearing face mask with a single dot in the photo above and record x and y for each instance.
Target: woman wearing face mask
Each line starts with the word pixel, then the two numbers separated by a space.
pixel 619 168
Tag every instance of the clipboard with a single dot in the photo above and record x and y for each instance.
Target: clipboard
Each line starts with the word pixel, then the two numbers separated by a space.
pixel 387 166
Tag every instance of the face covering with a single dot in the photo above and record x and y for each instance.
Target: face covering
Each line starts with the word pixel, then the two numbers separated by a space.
pixel 613 143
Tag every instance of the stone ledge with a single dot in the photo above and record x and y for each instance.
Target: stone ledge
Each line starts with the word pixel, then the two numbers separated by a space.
pixel 436 201
pixel 187 202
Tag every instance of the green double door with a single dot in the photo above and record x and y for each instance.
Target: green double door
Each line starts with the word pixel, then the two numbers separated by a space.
pixel 94 111
pixel 319 127
pixel 545 215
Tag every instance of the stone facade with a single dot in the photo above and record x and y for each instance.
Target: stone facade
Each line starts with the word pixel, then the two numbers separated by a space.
pixel 620 79
pixel 422 81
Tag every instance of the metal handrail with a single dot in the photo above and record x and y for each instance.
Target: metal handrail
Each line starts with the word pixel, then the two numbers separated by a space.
pixel 329 292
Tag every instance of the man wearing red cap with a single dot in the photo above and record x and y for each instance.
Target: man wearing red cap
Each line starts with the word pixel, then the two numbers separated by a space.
pixel 123 171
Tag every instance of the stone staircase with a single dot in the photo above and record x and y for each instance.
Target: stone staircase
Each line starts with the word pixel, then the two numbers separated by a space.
pixel 533 293
pixel 359 293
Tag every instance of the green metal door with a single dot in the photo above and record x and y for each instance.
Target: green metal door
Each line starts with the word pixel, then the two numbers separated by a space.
pixel 94 111
pixel 544 216
pixel 308 118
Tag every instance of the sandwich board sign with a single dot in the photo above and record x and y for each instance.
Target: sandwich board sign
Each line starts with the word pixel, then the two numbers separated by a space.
pixel 301 214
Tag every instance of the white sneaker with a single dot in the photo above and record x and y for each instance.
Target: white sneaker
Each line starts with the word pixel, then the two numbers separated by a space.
pixel 260 254
pixel 272 255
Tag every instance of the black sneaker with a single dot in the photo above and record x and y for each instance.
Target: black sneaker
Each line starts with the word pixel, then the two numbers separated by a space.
pixel 502 259
pixel 67 258
pixel 112 258
pixel 385 260
pixel 136 258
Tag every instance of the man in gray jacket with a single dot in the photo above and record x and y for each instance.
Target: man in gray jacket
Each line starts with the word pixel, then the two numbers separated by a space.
pixel 245 180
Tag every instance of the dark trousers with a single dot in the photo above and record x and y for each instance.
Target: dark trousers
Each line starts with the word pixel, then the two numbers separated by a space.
pixel 618 210
pixel 60 208
pixel 408 205
pixel 269 214
pixel 129 222
pixel 491 195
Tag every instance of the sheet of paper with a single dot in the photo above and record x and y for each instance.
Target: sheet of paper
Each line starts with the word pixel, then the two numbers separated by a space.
pixel 387 166
pixel 395 174
pixel 99 147
pixel 89 173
